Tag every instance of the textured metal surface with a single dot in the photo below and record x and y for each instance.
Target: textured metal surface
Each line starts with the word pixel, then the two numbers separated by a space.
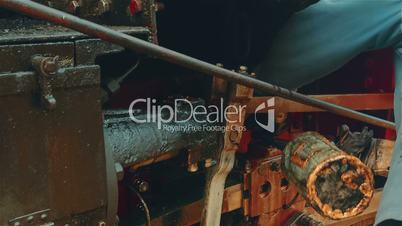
pixel 112 12
pixel 38 11
pixel 23 30
pixel 52 160
pixel 16 58
pixel 87 50
pixel 269 189
pixel 26 82
pixel 132 142
pixel 336 184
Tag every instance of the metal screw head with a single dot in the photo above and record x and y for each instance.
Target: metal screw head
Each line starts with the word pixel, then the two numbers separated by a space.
pixel 73 7
pixel 143 186
pixel 30 218
pixel 103 6
pixel 243 69
pixel 43 216
pixel 50 65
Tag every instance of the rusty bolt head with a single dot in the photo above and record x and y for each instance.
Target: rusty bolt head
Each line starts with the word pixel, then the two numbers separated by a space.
pixel 50 66
pixel 243 69
pixel 43 216
pixel 142 186
pixel 103 6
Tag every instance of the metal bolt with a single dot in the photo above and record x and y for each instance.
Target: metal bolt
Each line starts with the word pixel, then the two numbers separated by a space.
pixel 43 216
pixel 193 167
pixel 50 65
pixel 208 163
pixel 73 7
pixel 143 186
pixel 243 69
pixel 101 223
pixel 103 6
pixel 30 219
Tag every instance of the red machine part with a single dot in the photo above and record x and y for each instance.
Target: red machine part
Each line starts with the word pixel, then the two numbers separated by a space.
pixel 135 6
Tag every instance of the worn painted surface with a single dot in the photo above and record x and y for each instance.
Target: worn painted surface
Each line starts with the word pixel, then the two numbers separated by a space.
pixel 337 185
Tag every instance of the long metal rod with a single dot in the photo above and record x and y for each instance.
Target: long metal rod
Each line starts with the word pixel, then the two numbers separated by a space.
pixel 58 17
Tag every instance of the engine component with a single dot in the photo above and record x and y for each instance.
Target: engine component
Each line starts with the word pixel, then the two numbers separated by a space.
pixel 267 188
pixel 132 142
pixel 335 183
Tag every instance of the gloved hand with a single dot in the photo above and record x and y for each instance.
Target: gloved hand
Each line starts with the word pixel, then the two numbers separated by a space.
pixel 354 143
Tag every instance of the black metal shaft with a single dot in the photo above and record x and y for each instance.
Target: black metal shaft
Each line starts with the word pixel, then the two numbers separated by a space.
pixel 58 17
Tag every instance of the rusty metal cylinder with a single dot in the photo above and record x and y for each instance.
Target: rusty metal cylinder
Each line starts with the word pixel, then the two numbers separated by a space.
pixel 336 184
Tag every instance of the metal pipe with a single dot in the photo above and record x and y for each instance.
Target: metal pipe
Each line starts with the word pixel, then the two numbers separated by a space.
pixel 131 142
pixel 58 17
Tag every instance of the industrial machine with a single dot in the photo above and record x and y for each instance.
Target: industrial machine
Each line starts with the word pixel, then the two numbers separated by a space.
pixel 86 136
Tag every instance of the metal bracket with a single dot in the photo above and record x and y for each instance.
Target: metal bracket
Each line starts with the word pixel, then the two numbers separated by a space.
pixel 238 95
pixel 47 68
pixel 35 218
